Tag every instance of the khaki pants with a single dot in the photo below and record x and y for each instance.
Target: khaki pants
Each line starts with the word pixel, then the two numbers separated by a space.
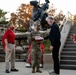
pixel 10 57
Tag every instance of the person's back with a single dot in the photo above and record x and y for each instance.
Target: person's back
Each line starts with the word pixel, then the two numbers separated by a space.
pixel 55 26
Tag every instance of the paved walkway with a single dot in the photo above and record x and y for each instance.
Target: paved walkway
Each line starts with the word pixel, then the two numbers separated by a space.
pixel 27 71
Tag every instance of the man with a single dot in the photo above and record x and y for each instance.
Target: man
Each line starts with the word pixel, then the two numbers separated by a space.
pixel 54 37
pixel 9 46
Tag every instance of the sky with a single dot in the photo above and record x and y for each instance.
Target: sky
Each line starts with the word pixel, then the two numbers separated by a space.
pixel 64 5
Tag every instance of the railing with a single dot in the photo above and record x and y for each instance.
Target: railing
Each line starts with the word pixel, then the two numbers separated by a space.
pixel 68 17
pixel 67 23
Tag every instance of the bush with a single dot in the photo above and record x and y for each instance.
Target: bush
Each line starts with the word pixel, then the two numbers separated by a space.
pixel 4 22
pixel 47 46
pixel 22 29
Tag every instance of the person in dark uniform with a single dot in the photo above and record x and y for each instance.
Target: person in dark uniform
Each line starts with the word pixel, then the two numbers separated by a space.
pixel 54 37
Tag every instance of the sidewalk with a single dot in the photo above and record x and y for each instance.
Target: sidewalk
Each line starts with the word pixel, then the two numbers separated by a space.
pixel 27 71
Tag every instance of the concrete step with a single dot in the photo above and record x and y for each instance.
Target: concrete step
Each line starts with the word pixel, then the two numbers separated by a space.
pixel 74 27
pixel 72 31
pixel 69 42
pixel 70 45
pixel 68 62
pixel 69 39
pixel 68 54
pixel 23 56
pixel 18 56
pixel 69 49
pixel 67 57
pixel 2 57
pixel 73 44
pixel 2 51
pixel 70 34
pixel 70 67
pixel 71 53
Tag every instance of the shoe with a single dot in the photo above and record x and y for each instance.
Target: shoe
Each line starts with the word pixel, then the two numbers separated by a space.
pixel 51 72
pixel 54 74
pixel 33 71
pixel 7 71
pixel 39 71
pixel 28 65
pixel 14 70
pixel 41 66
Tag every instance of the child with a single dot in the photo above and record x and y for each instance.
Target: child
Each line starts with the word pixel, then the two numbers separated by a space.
pixel 36 49
pixel 35 33
pixel 36 54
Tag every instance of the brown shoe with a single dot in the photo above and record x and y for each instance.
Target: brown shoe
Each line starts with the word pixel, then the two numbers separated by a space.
pixel 39 71
pixel 33 71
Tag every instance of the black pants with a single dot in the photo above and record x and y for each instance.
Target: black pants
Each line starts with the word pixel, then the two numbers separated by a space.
pixel 55 56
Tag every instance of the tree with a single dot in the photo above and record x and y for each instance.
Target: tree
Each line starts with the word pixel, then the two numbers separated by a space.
pixel 2 15
pixel 59 17
pixel 13 18
pixel 22 17
pixel 74 19
pixel 52 10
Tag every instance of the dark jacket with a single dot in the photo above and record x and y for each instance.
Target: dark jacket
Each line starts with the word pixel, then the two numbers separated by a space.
pixel 54 35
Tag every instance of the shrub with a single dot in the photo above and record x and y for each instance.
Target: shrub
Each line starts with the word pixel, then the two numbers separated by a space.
pixel 4 22
pixel 47 46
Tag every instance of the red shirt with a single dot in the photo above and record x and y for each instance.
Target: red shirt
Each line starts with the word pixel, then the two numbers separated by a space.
pixel 10 36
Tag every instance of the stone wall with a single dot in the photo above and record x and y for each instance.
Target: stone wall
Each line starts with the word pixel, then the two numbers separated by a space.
pixel 21 44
